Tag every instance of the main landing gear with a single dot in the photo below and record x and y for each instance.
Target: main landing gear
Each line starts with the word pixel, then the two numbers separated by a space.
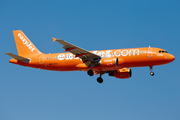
pixel 151 73
pixel 90 72
pixel 99 79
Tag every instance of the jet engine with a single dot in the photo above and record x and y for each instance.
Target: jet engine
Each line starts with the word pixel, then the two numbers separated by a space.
pixel 111 62
pixel 121 73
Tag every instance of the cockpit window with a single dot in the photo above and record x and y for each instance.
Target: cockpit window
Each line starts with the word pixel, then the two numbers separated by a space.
pixel 162 51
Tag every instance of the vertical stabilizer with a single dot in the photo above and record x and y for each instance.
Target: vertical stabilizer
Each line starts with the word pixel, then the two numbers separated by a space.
pixel 24 45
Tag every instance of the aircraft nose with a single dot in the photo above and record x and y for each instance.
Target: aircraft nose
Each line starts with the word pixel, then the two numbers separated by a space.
pixel 171 58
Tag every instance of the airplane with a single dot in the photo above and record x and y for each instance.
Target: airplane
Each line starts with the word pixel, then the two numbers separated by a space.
pixel 116 62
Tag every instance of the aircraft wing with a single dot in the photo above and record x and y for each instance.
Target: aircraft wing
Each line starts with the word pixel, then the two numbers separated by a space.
pixel 78 52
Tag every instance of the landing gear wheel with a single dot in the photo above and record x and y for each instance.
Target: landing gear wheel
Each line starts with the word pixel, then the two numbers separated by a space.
pixel 152 73
pixel 151 68
pixel 99 80
pixel 90 72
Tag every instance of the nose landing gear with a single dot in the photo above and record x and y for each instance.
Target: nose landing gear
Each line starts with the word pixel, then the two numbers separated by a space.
pixel 151 73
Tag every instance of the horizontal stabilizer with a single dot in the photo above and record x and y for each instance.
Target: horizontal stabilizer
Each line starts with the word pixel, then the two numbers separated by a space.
pixel 18 57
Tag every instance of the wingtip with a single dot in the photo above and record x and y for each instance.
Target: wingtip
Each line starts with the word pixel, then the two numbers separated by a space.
pixel 6 53
pixel 17 30
pixel 54 39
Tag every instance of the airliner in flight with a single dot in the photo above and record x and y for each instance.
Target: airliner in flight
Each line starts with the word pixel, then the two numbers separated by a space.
pixel 116 62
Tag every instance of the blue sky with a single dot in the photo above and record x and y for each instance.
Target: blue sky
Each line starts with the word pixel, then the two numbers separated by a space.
pixel 33 94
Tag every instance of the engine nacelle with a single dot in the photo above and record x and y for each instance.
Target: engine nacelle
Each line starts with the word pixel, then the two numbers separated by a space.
pixel 122 73
pixel 111 62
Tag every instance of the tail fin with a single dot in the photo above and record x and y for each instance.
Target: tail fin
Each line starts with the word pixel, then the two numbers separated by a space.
pixel 23 44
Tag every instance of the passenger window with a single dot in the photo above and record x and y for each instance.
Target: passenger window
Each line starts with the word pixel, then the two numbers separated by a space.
pixel 163 51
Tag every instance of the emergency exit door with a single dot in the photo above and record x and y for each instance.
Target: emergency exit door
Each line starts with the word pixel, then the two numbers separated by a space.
pixel 41 59
pixel 150 52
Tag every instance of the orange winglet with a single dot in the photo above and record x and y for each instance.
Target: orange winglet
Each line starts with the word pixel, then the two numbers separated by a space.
pixel 68 49
pixel 79 55
pixel 54 39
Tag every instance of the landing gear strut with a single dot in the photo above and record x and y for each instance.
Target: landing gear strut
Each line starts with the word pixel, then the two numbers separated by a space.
pixel 151 73
pixel 90 72
pixel 99 79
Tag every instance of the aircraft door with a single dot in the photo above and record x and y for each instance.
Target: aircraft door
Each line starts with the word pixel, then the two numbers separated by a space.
pixel 150 52
pixel 41 59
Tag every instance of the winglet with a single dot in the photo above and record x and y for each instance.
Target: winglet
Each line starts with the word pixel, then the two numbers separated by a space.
pixel 54 39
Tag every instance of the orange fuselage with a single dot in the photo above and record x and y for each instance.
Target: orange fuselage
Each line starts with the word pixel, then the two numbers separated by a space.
pixel 132 57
